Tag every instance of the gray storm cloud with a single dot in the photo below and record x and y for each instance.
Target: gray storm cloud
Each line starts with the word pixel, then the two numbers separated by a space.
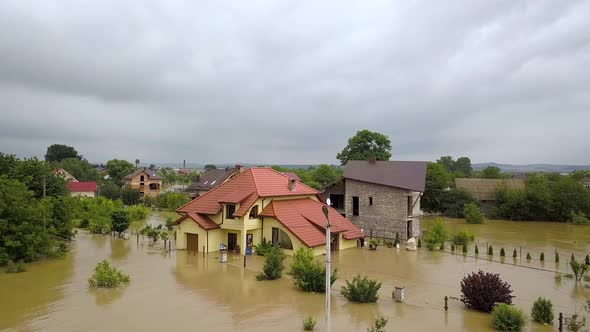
pixel 289 82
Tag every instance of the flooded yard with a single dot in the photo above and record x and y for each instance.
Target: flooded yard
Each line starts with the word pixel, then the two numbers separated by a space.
pixel 182 291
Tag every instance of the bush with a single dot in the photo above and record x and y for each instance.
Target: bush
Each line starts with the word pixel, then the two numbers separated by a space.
pixel 397 239
pixel 453 202
pixel 473 214
pixel 273 265
pixel 120 221
pixel 556 257
pixel 542 311
pixel 490 251
pixel 151 232
pixel 587 260
pixel 419 243
pixel 462 237
pixel 130 196
pixel 465 249
pixel 309 323
pixel 263 247
pixel 481 290
pixel 378 325
pixel 476 250
pixel 309 274
pixel 578 268
pixel 107 276
pixel 542 257
pixel 514 253
pixel 436 235
pixel 575 323
pixel 361 290
pixel 579 219
pixel 508 318
pixel 502 252
pixel 528 256
pixel 452 247
pixel 17 267
pixel 137 212
pixel 171 200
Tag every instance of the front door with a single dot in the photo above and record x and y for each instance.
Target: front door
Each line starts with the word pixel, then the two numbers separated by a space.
pixel 232 241
pixel 192 242
pixel 410 232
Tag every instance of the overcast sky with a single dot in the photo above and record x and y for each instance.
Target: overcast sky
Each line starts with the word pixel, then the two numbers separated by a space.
pixel 291 81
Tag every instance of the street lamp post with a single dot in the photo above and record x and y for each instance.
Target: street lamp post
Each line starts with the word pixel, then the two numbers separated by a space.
pixel 328 262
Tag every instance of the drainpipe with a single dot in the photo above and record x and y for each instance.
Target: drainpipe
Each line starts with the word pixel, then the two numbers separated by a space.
pixel 207 242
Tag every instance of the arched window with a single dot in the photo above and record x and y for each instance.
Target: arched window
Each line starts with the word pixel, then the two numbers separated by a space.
pixel 281 238
pixel 141 178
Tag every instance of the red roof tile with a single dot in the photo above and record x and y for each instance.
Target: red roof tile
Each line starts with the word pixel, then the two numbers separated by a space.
pixel 82 186
pixel 203 221
pixel 246 205
pixel 262 181
pixel 306 220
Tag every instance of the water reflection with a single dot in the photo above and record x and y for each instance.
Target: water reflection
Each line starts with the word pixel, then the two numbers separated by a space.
pixel 105 297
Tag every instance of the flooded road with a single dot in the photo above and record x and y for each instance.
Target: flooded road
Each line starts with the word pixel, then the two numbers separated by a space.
pixel 195 292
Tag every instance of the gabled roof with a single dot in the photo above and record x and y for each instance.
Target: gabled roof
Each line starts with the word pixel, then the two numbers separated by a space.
pixel 305 219
pixel 150 174
pixel 244 189
pixel 64 173
pixel 203 221
pixel 292 175
pixel 409 175
pixel 485 189
pixel 82 186
pixel 213 178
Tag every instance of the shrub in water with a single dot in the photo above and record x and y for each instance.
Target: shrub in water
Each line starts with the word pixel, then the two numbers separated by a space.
pixel 361 290
pixel 575 323
pixel 452 247
pixel 419 243
pixel 473 214
pixel 490 251
pixel 556 257
pixel 578 268
pixel 572 258
pixel 528 256
pixel 481 290
pixel 542 257
pixel 309 323
pixel 120 221
pixel 465 249
pixel 273 265
pixel 579 219
pixel 442 246
pixel 308 273
pixel 107 276
pixel 587 260
pixel 508 318
pixel 263 247
pixel 18 267
pixel 462 237
pixel 476 250
pixel 514 253
pixel 379 325
pixel 542 311
pixel 436 235
pixel 397 239
pixel 502 252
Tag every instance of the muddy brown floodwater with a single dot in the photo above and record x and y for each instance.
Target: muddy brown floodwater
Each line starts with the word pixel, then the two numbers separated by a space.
pixel 191 292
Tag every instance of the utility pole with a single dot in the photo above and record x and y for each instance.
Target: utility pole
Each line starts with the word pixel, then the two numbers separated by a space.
pixel 328 267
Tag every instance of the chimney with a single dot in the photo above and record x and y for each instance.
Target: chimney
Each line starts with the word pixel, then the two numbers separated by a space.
pixel 292 183
pixel 184 164
pixel 240 168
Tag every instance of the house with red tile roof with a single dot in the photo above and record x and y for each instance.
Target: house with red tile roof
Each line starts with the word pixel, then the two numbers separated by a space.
pixel 82 189
pixel 261 204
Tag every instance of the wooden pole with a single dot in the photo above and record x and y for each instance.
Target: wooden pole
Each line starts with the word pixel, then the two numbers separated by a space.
pixel 560 322
pixel 137 238
pixel 446 303
pixel 203 251
pixel 244 261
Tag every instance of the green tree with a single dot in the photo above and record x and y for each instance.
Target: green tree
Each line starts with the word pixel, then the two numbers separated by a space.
pixel 80 169
pixel 130 196
pixel 110 190
pixel 473 214
pixel 463 166
pixel 210 166
pixel 453 202
pixel 492 172
pixel 437 182
pixel 118 169
pixel 324 175
pixel 59 152
pixel 120 221
pixel 447 162
pixel 35 174
pixel 436 234
pixel 364 146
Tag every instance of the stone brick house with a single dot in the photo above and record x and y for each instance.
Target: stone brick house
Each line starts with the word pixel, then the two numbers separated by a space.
pixel 146 181
pixel 381 197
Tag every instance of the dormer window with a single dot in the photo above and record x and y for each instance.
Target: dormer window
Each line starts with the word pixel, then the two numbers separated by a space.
pixel 230 209
pixel 254 212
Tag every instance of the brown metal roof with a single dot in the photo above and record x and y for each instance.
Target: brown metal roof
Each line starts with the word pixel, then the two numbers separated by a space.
pixel 409 175
pixel 212 178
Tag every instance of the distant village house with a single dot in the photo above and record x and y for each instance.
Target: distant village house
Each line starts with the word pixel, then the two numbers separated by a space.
pixel 381 197
pixel 77 188
pixel 484 190
pixel 146 181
